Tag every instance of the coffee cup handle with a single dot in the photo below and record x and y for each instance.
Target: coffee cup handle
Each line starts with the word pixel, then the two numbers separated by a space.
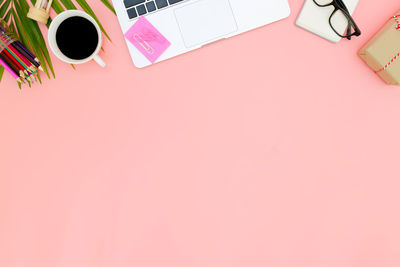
pixel 99 61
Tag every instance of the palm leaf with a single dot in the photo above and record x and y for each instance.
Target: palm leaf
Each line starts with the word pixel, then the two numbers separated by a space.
pixel 27 37
pixel 1 72
pixel 68 4
pixel 7 17
pixel 13 12
pixel 85 6
pixel 4 6
pixel 108 5
pixel 58 8
pixel 36 31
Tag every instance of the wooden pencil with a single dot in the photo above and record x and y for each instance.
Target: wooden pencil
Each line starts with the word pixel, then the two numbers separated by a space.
pixel 8 50
pixel 15 65
pixel 27 50
pixel 10 64
pixel 23 58
pixel 8 68
pixel 15 45
pixel 15 60
pixel 27 55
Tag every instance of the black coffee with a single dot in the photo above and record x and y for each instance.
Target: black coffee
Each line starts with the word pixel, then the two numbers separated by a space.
pixel 77 38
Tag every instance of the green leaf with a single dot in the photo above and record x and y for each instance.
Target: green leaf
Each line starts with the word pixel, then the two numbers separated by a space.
pixel 37 34
pixel 12 28
pixel 4 6
pixel 8 16
pixel 49 21
pixel 68 4
pixel 88 10
pixel 58 8
pixel 26 37
pixel 40 80
pixel 109 5
pixel 1 72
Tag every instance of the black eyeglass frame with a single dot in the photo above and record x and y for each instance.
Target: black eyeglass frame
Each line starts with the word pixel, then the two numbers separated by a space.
pixel 339 5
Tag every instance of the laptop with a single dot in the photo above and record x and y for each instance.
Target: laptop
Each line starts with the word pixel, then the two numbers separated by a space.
pixel 191 24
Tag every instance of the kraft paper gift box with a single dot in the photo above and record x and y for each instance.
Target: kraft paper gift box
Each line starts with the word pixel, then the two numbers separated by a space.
pixel 382 52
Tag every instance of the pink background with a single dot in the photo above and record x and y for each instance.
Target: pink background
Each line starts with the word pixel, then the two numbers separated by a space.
pixel 215 158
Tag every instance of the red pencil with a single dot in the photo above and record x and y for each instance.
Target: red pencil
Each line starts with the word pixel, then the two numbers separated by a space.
pixel 28 64
pixel 9 67
pixel 13 62
pixel 11 57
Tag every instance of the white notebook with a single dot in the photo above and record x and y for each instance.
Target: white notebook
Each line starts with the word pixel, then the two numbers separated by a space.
pixel 316 19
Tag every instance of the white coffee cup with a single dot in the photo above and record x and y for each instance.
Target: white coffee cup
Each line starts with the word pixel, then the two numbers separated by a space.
pixel 53 43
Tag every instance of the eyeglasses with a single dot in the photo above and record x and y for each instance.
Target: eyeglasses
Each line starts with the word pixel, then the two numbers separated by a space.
pixel 340 18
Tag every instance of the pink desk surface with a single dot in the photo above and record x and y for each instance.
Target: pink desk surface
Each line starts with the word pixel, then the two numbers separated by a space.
pixel 217 158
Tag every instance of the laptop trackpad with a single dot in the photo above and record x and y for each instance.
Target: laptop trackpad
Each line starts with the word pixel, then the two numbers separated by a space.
pixel 205 21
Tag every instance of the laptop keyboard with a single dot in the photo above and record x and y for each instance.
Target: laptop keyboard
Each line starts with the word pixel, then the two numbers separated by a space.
pixel 136 8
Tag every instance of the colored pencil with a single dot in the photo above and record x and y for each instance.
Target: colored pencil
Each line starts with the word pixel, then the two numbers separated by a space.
pixel 18 54
pixel 15 60
pixel 6 67
pixel 10 61
pixel 27 55
pixel 22 64
pixel 29 52
pixel 22 49
pixel 18 67
pixel 11 65
pixel 27 64
pixel 8 49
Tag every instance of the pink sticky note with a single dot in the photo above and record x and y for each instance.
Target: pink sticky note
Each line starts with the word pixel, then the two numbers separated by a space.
pixel 147 39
